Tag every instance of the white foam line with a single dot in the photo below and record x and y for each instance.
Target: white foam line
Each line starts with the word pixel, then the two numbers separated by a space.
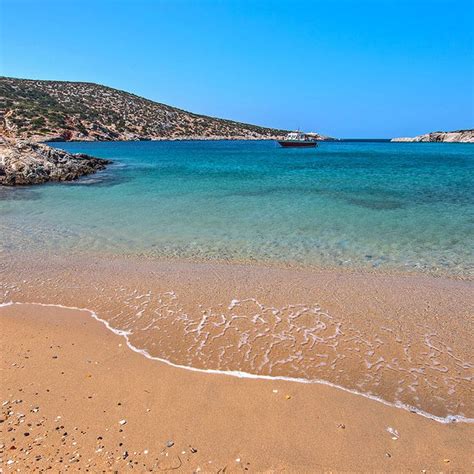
pixel 240 374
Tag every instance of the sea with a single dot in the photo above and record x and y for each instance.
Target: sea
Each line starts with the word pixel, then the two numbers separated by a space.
pixel 355 204
pixel 349 264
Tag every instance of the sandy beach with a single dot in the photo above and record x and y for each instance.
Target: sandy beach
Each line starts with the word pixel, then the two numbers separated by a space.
pixel 76 397
pixel 237 244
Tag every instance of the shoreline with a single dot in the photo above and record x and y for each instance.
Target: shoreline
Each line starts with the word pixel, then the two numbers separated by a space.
pixel 244 375
pixel 130 294
pixel 116 409
pixel 141 257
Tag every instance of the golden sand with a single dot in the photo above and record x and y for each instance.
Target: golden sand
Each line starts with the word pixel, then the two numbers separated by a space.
pixel 400 339
pixel 75 396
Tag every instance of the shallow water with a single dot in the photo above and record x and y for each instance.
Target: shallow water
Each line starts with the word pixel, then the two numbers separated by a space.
pixel 406 340
pixel 366 205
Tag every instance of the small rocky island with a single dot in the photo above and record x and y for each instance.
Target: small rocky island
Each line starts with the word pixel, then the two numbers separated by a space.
pixel 25 162
pixel 457 136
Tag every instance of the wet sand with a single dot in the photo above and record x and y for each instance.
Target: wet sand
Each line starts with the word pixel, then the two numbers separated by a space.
pixel 406 339
pixel 68 382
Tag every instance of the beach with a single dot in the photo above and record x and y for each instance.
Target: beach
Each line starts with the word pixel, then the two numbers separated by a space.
pixel 236 236
pixel 95 370
pixel 219 307
pixel 75 396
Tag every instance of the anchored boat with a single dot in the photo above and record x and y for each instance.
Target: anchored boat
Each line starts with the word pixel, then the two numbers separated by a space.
pixel 298 140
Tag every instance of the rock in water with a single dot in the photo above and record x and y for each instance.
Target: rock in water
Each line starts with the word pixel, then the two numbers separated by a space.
pixel 458 136
pixel 24 162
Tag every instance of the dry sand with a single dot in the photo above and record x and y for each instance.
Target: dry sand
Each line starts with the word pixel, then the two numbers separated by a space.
pixel 67 382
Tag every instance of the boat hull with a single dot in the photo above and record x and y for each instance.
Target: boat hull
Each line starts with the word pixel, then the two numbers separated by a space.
pixel 297 143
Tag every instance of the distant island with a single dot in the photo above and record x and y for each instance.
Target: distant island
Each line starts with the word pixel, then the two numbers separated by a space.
pixel 456 136
pixel 77 111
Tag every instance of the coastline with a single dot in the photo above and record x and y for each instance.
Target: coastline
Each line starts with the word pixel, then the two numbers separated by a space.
pixel 235 373
pixel 58 362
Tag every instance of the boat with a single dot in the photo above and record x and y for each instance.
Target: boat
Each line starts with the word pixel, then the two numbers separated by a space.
pixel 298 140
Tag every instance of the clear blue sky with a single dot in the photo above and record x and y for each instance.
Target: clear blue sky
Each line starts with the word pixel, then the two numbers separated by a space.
pixel 360 68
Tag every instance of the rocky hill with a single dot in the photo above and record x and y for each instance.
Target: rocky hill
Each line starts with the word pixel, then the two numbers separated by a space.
pixel 24 162
pixel 56 110
pixel 457 136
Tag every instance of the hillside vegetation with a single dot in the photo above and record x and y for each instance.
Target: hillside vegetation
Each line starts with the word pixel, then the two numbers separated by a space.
pixel 57 110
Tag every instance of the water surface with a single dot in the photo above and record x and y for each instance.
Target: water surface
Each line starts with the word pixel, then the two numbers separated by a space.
pixel 355 204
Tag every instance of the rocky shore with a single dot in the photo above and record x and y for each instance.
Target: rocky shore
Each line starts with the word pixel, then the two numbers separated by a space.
pixel 457 136
pixel 25 162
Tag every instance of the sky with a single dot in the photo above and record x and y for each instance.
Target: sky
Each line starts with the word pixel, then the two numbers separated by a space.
pixel 345 68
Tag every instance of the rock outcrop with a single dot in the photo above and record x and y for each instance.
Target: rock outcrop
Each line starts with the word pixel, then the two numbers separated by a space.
pixel 23 162
pixel 319 137
pixel 457 136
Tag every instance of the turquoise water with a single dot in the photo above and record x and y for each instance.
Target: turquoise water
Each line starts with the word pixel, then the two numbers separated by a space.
pixel 370 205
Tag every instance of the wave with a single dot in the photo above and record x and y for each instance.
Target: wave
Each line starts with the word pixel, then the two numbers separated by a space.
pixel 240 374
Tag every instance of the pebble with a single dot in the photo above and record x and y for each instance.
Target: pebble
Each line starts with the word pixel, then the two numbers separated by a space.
pixel 170 443
pixel 394 433
pixel 122 422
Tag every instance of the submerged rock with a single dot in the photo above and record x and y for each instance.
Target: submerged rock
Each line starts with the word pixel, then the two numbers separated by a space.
pixel 24 162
